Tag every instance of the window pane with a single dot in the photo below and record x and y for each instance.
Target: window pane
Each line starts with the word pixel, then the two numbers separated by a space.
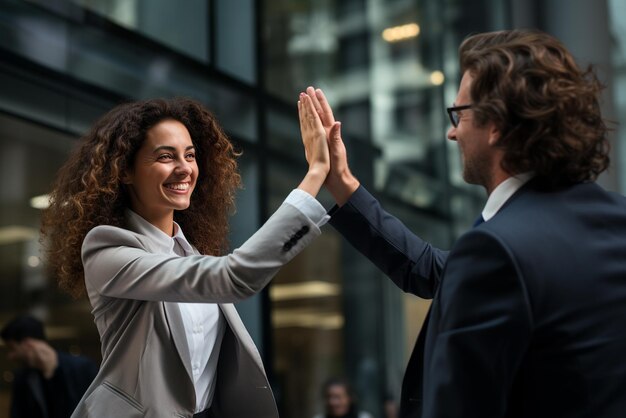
pixel 181 25
pixel 30 158
pixel 307 315
pixel 235 38
pixel 382 69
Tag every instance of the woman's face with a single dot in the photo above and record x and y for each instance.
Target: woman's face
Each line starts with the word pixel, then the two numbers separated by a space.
pixel 337 400
pixel 164 172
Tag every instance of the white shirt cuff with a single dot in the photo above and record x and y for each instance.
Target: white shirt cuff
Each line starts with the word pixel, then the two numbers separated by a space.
pixel 309 206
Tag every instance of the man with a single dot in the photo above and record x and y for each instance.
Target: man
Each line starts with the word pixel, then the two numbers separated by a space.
pixel 51 382
pixel 528 317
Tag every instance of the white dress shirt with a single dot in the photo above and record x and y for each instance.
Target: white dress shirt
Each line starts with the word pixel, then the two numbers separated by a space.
pixel 204 323
pixel 502 193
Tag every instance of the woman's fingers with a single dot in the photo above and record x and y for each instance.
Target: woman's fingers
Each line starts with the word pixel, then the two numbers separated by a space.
pixel 321 107
pixel 310 91
pixel 313 133
pixel 311 116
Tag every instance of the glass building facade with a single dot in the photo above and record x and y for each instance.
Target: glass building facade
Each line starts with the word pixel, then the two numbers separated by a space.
pixel 389 68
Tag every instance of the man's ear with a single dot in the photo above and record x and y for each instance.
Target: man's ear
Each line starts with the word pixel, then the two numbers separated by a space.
pixel 494 134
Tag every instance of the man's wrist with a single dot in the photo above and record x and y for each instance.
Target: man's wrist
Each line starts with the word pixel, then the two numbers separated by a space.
pixel 342 186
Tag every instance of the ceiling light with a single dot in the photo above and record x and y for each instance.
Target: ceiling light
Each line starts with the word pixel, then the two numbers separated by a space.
pixel 304 290
pixel 401 33
pixel 437 78
pixel 33 261
pixel 14 234
pixel 307 318
pixel 40 202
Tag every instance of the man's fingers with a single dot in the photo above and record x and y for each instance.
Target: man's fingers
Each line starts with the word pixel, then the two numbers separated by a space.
pixel 326 109
pixel 335 132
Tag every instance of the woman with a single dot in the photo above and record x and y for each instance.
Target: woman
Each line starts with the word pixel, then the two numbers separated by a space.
pixel 138 222
pixel 340 401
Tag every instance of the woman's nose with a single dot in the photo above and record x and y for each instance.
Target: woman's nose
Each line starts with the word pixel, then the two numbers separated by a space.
pixel 183 167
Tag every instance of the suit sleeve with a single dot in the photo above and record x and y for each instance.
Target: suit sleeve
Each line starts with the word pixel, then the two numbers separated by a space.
pixel 117 264
pixel 480 330
pixel 414 265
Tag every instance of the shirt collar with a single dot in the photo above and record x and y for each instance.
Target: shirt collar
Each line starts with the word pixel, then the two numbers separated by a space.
pixel 163 242
pixel 503 192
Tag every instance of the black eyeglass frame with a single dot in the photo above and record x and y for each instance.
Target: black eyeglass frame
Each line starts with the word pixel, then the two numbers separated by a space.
pixel 454 118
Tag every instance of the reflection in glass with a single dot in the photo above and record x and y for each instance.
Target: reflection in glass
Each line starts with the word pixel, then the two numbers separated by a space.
pixel 383 76
pixel 306 315
pixel 181 25
pixel 30 158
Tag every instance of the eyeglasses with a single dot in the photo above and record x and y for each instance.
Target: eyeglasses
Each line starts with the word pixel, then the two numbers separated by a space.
pixel 453 113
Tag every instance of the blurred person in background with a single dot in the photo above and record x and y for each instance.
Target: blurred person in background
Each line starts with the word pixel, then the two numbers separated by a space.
pixel 340 401
pixel 138 222
pixel 390 406
pixel 49 383
pixel 528 317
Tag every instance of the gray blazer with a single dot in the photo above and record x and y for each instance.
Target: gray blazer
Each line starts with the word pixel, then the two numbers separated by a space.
pixel 133 286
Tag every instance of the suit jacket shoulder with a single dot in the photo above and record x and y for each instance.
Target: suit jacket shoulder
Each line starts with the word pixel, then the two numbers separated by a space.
pixel 531 299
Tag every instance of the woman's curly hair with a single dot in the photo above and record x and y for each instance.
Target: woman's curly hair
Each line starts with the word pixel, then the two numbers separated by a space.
pixel 545 107
pixel 88 190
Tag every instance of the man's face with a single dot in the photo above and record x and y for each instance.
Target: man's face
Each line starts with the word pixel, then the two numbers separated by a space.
pixel 475 142
pixel 22 352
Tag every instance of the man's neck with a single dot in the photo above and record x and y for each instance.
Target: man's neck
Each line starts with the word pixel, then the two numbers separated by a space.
pixel 496 179
pixel 503 192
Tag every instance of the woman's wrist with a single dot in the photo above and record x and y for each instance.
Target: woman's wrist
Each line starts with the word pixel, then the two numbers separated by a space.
pixel 314 179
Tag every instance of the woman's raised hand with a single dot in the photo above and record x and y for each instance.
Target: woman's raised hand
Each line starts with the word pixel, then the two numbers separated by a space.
pixel 315 146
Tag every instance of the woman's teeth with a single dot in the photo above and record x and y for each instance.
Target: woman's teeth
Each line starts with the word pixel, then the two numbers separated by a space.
pixel 178 186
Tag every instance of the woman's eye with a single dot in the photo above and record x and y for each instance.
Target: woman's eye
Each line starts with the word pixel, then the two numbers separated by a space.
pixel 190 156
pixel 164 157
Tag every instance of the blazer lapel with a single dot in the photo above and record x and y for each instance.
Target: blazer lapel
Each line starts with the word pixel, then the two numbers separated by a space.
pixel 239 330
pixel 172 311
pixel 177 328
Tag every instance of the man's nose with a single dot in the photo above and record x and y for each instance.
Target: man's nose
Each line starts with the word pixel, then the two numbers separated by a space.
pixel 452 133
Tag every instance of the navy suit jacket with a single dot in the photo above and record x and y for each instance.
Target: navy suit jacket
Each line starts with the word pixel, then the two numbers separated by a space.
pixel 28 400
pixel 528 317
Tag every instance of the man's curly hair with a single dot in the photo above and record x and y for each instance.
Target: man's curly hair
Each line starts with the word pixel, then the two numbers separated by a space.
pixel 88 190
pixel 545 107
